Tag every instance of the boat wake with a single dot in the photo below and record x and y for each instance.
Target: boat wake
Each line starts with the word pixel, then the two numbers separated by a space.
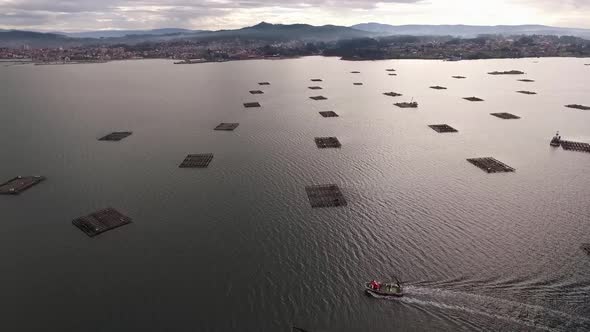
pixel 522 314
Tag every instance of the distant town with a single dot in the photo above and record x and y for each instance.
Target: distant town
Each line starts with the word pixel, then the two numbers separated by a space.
pixel 228 49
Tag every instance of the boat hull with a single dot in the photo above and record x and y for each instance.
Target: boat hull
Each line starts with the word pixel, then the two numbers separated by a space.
pixel 378 293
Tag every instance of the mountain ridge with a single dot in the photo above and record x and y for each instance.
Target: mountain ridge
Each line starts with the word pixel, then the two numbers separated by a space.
pixel 272 33
pixel 463 30
pixel 123 33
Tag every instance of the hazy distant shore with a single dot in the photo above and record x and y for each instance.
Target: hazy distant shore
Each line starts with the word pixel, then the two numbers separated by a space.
pixel 177 62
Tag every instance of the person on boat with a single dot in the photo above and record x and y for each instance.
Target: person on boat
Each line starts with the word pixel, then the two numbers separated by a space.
pixel 375 285
pixel 556 141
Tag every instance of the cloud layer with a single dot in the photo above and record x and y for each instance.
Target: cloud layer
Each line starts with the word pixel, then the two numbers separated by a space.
pixel 80 15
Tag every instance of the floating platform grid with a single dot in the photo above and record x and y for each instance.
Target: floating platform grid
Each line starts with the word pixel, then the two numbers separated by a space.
pixel 19 184
pixel 393 94
pixel 443 128
pixel 407 105
pixel 438 87
pixel 264 83
pixel 575 146
pixel 355 72
pixel 527 92
pixel 256 92
pixel 116 136
pixel 390 69
pixel 252 105
pixel 578 107
pixel 505 116
pixel 459 77
pixel 329 114
pixel 327 142
pixel 507 72
pixel 357 83
pixel 473 99
pixel 326 195
pixel 526 80
pixel 101 221
pixel 316 80
pixel 318 98
pixel 227 126
pixel 586 246
pixel 197 161
pixel 491 165
pixel 315 88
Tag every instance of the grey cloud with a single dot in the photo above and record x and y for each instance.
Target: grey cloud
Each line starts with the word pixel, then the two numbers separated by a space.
pixel 73 6
pixel 548 4
pixel 96 14
pixel 75 15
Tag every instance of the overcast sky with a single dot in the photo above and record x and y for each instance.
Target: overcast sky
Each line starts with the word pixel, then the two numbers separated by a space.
pixel 82 15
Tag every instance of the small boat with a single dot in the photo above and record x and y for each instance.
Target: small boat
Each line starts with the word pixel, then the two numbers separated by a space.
pixel 556 141
pixel 384 289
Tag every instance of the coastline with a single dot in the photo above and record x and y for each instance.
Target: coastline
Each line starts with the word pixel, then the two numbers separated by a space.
pixel 177 62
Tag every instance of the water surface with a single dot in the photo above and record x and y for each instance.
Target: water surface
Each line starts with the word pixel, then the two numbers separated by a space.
pixel 237 246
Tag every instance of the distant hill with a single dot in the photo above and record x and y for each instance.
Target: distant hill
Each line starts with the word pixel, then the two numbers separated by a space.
pixel 123 33
pixel 263 31
pixel 468 31
pixel 282 32
pixel 270 33
pixel 17 38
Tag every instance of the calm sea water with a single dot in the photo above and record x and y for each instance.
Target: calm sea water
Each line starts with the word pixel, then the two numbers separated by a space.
pixel 237 246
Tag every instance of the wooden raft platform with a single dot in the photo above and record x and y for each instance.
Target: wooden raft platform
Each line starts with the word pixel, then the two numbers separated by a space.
pixel 491 165
pixel 473 99
pixel 227 126
pixel 407 105
pixel 327 195
pixel 256 92
pixel 390 69
pixel 264 83
pixel 393 94
pixel 116 136
pixel 443 128
pixel 315 88
pixel 575 146
pixel 392 74
pixel 252 105
pixel 355 72
pixel 527 92
pixel 357 83
pixel 459 77
pixel 438 87
pixel 316 80
pixel 505 116
pixel 19 184
pixel 327 142
pixel 507 72
pixel 197 161
pixel 329 114
pixel 101 221
pixel 318 98
pixel 526 80
pixel 578 107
